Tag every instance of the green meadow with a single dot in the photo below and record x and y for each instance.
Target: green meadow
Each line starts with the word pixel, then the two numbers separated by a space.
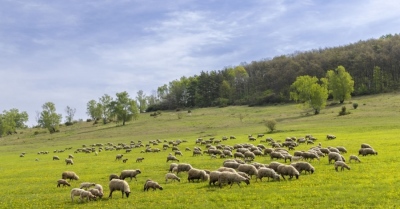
pixel 29 183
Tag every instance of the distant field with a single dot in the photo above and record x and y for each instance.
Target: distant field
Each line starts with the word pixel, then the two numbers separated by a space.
pixel 373 183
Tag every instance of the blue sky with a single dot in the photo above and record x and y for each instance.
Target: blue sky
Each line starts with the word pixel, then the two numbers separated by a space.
pixel 72 51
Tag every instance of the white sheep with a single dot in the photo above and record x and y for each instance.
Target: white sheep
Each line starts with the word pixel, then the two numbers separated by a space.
pixel 86 195
pixel 183 167
pixel 225 169
pixel 172 158
pixel 151 184
pixel 86 185
pixel 171 176
pixel 267 172
pixel 288 170
pixel 335 157
pixel 69 161
pixel 139 159
pixel 119 185
pixel 69 175
pixel 363 145
pixel 100 188
pixel 197 174
pixel 231 178
pixel 76 192
pixel 62 182
pixel 303 166
pixel 56 158
pixel 129 173
pixel 96 192
pixel 341 164
pixel 355 158
pixel 274 165
pixel 172 166
pixel 248 169
pixel 367 151
pixel 233 164
pixel 213 177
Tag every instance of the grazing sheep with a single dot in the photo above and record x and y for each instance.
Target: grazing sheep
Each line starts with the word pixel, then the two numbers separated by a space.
pixel 172 158
pixel 183 167
pixel 330 137
pixel 267 172
pixel 172 166
pixel 63 182
pixel 363 145
pixel 341 149
pixel 335 157
pixel 341 164
pixel 303 166
pixel 129 173
pixel 178 153
pixel 288 170
pixel 139 159
pixel 233 165
pixel 231 178
pixel 367 151
pixel 69 175
pixel 274 165
pixel 69 161
pixel 56 158
pixel 248 169
pixel 214 175
pixel 310 156
pixel 86 195
pixel 113 176
pixel 276 155
pixel 151 184
pixel 197 174
pixel 76 192
pixel 100 188
pixel 225 169
pixel 238 155
pixel 119 157
pixel 355 158
pixel 124 160
pixel 171 176
pixel 197 152
pixel 119 185
pixel 96 192
pixel 86 185
pixel 70 156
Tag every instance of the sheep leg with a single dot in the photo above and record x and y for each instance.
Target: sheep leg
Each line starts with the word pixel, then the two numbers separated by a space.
pixel 283 176
pixel 110 196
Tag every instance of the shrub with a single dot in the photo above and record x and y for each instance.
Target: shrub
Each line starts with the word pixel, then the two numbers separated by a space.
pixel 69 123
pixel 270 124
pixel 180 115
pixel 343 111
pixel 355 105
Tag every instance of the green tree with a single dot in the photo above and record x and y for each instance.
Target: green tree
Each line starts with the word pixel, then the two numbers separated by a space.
pixel 311 91
pixel 93 110
pixel 104 107
pixel 70 114
pixel 49 118
pixel 141 100
pixel 124 108
pixel 11 120
pixel 340 84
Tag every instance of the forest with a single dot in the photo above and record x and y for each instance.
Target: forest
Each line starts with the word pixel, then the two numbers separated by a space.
pixel 373 64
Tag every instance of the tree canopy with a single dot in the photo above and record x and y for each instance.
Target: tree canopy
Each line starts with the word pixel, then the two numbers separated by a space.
pixel 310 91
pixel 49 118
pixel 340 84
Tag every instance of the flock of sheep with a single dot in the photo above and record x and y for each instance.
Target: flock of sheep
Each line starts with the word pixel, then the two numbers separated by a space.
pixel 239 163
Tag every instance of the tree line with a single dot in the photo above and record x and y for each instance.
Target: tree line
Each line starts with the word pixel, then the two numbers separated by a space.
pixel 373 64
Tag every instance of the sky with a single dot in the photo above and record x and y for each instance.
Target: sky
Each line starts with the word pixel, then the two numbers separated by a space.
pixel 69 52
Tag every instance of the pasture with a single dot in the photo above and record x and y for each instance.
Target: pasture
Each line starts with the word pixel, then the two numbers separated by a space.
pixel 373 183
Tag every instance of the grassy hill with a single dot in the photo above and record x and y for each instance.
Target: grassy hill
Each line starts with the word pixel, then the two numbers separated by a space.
pixel 27 183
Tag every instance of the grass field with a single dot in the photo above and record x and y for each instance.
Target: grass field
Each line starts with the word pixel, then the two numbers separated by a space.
pixel 373 183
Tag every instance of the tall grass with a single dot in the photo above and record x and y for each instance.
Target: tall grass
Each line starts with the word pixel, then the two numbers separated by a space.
pixel 374 183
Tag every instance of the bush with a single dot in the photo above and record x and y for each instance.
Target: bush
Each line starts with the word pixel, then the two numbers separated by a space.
pixel 270 124
pixel 343 111
pixel 69 123
pixel 180 115
pixel 355 105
